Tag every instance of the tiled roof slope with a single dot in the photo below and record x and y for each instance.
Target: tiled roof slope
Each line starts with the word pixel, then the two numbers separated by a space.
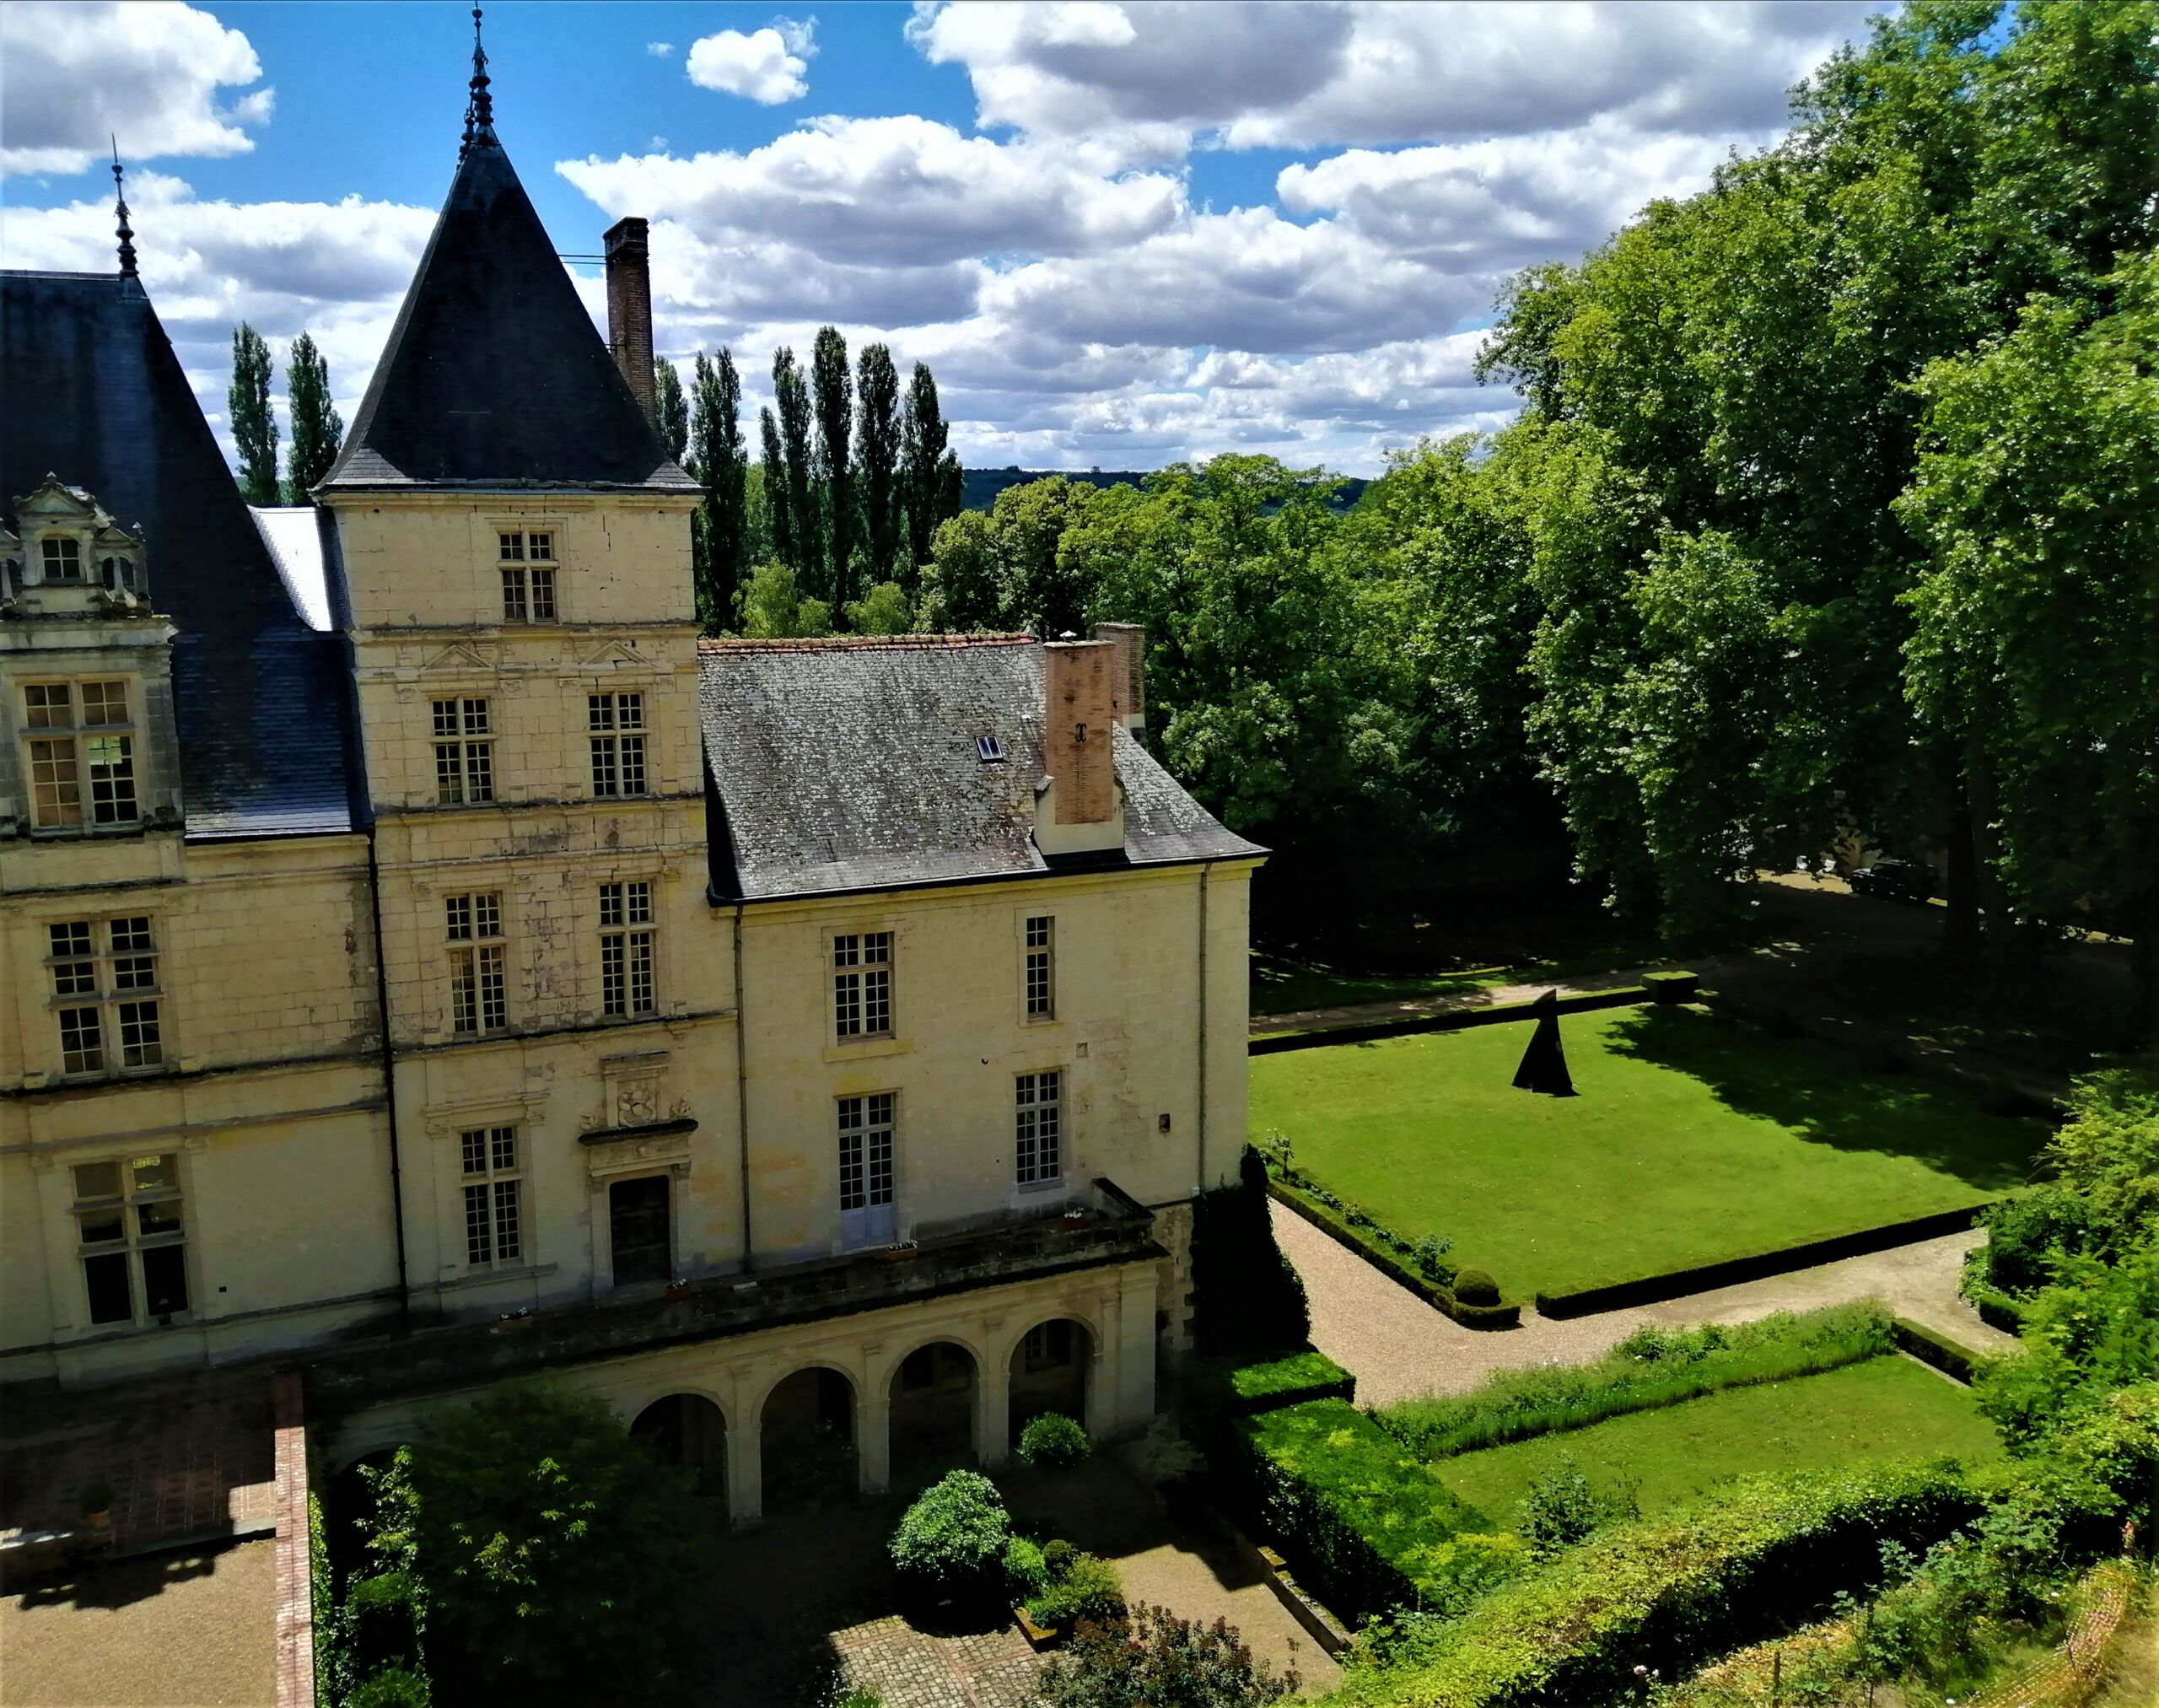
pixel 494 376
pixel 851 765
pixel 97 398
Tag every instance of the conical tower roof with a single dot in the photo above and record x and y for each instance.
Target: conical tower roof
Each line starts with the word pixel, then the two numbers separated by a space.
pixel 494 376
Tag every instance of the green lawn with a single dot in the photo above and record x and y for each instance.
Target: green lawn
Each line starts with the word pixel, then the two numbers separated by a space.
pixel 1888 1407
pixel 1693 1139
pixel 1283 985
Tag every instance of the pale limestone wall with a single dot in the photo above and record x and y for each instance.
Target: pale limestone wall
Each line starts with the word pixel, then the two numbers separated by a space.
pixel 1127 1035
pixel 429 559
pixel 1115 1305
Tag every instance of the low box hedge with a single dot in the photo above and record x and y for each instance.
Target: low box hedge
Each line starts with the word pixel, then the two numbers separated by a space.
pixel 1453 1020
pixel 1381 1247
pixel 1930 1346
pixel 1667 1594
pixel 1366 1525
pixel 1996 1309
pixel 1211 1388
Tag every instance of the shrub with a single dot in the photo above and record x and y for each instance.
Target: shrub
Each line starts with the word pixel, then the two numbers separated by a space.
pixel 1053 1442
pixel 952 1542
pixel 1652 1367
pixel 1057 1556
pixel 1476 1287
pixel 1367 1525
pixel 1087 1592
pixel 1562 1509
pixel 2027 1234
pixel 1026 1569
pixel 1156 1660
pixel 1430 1254
pixel 1245 1296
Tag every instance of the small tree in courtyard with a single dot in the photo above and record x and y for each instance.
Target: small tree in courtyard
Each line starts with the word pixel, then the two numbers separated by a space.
pixel 1156 1660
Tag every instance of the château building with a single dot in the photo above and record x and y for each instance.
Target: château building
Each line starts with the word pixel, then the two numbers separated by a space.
pixel 426 961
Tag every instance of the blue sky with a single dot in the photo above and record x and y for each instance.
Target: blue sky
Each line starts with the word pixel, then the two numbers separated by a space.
pixel 1120 234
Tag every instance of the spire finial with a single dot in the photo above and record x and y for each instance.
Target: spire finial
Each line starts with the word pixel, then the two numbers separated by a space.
pixel 126 234
pixel 480 110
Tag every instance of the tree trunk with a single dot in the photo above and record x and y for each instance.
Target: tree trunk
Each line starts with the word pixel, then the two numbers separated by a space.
pixel 1963 950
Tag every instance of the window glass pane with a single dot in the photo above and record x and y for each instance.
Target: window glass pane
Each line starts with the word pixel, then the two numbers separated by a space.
pixel 512 546
pixel 445 716
pixel 509 1239
pixel 479 1226
pixel 96 1180
pixel 488 913
pixel 131 936
pixel 164 1279
pixel 632 761
pixel 112 778
pixel 630 710
pixel 141 1044
pixel 56 785
pixel 82 1046
pixel 160 1216
pixel 474 1144
pixel 154 1174
pixel 103 703
pixel 458 918
pixel 543 596
pixel 47 706
pixel 514 607
pixel 112 1299
pixel 101 1228
pixel 505 1147
pixel 541 547
pixel 639 898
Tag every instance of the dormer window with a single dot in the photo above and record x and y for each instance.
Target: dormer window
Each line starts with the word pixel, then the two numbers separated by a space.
pixel 80 745
pixel 63 558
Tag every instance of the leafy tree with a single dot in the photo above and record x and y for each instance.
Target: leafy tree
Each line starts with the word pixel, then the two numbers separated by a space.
pixel 774 609
pixel 317 430
pixel 1008 566
pixel 772 485
pixel 791 395
pixel 877 457
pixel 557 1556
pixel 722 464
pixel 963 588
pixel 1153 1659
pixel 833 391
pixel 255 426
pixel 931 490
pixel 884 610
pixel 673 408
pixel 951 1541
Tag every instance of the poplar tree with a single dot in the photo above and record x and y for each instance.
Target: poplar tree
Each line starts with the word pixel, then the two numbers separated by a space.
pixel 833 388
pixel 255 428
pixel 317 430
pixel 778 512
pixel 674 408
pixel 877 456
pixel 922 477
pixel 722 463
pixel 791 392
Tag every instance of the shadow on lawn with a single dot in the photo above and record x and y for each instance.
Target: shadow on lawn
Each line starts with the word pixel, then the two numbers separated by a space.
pixel 1828 1098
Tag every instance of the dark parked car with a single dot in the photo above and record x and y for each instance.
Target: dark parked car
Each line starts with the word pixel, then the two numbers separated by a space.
pixel 1900 880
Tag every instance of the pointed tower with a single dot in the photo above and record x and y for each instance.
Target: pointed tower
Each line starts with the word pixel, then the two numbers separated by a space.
pixel 513 559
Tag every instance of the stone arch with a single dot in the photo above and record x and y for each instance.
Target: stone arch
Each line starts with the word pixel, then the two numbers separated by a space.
pixel 934 1395
pixel 806 1437
pixel 1051 1367
pixel 688 1429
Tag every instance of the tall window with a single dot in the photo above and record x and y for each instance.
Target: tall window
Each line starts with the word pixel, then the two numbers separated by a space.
pixel 63 558
pixel 128 1217
pixel 81 740
pixel 105 988
pixel 1042 967
pixel 626 986
pixel 528 570
pixel 465 768
pixel 494 1208
pixel 866 1150
pixel 1039 1128
pixel 478 999
pixel 862 984
pixel 617 725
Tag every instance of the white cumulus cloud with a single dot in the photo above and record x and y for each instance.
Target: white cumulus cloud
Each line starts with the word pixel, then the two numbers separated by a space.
pixel 767 66
pixel 660 50
pixel 73 75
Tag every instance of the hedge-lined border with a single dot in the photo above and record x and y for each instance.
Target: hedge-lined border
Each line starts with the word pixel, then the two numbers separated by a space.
pixel 1669 987
pixel 1996 1309
pixel 1440 1299
pixel 1931 1346
pixel 1702 1278
pixel 1208 1385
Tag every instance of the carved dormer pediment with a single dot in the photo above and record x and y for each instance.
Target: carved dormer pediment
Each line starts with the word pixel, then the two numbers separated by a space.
pixel 616 652
pixel 68 555
pixel 461 657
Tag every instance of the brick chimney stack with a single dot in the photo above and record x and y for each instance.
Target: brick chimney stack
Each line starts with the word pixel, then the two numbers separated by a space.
pixel 1079 807
pixel 629 311
pixel 1129 677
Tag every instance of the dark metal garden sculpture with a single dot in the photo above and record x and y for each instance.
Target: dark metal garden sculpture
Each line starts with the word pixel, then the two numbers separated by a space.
pixel 1544 1062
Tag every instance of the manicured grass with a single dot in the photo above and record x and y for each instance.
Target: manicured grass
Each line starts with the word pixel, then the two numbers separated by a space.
pixel 1693 1139
pixel 1886 1408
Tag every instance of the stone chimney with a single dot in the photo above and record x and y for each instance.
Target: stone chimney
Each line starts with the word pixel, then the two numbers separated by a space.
pixel 1079 806
pixel 1128 679
pixel 629 311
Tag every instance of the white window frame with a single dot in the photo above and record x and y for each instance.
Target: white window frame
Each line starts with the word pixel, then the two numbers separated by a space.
pixel 479 963
pixel 616 732
pixel 492 1175
pixel 464 750
pixel 526 558
pixel 868 1131
pixel 629 950
pixel 131 1205
pixel 863 965
pixel 1039 1128
pixel 1038 966
pixel 106 968
pixel 100 758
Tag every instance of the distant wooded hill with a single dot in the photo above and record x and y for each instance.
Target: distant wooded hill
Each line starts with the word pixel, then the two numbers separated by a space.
pixel 979 486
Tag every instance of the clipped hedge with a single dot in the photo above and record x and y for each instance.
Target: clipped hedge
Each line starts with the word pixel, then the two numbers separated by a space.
pixel 1365 1524
pixel 1653 1368
pixel 1210 1389
pixel 1669 1594
pixel 1380 1246
pixel 1930 1346
pixel 1996 1309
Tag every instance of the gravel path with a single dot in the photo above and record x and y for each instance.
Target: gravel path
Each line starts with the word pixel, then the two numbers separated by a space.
pixel 1397 1346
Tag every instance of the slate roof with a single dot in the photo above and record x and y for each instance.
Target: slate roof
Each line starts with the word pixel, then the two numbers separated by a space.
pixel 97 398
pixel 845 765
pixel 494 376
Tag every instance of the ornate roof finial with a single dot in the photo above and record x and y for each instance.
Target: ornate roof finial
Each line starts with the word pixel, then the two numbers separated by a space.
pixel 126 234
pixel 480 110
